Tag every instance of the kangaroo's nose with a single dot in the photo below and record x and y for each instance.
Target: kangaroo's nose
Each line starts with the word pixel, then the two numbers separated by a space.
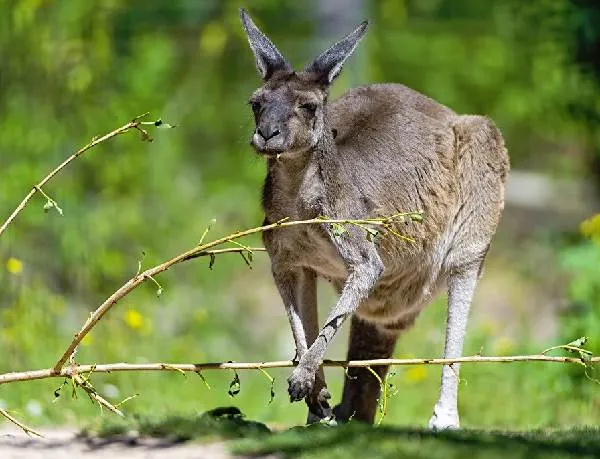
pixel 268 132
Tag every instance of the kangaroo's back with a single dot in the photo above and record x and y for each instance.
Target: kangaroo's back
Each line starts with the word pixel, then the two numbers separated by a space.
pixel 406 151
pixel 364 105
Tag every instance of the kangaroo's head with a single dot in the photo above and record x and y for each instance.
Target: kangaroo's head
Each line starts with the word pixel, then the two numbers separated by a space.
pixel 289 108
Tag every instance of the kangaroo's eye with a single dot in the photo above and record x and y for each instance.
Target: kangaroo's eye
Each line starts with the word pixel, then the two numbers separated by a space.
pixel 309 107
pixel 255 105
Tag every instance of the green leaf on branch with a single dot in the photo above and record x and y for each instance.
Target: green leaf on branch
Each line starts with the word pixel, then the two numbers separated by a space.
pixel 578 342
pixel 51 204
pixel 57 390
pixel 272 391
pixel 162 125
pixel 417 217
pixel 234 385
pixel 373 235
pixel 159 124
pixel 337 229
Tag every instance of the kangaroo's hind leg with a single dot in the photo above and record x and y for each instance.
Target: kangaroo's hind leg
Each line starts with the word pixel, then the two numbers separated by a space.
pixel 483 167
pixel 361 388
pixel 461 287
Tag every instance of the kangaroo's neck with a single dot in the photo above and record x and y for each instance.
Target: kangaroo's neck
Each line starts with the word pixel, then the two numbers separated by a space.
pixel 294 183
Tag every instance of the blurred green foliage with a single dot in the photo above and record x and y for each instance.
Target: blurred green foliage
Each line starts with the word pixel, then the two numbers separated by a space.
pixel 73 70
pixel 581 261
pixel 509 59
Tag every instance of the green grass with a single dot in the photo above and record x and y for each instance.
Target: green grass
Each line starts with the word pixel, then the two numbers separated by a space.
pixel 359 440
pixel 365 441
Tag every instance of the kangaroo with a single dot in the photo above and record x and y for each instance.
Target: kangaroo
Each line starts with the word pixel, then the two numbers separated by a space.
pixel 378 150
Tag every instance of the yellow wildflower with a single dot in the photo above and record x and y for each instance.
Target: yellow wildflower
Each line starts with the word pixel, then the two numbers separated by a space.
pixel 591 227
pixel 416 374
pixel 503 345
pixel 134 319
pixel 14 266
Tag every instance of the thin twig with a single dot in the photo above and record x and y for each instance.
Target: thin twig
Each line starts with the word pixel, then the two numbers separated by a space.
pixel 27 430
pixel 169 367
pixel 93 394
pixel 227 250
pixel 125 400
pixel 133 124
pixel 382 396
pixel 198 251
pixel 567 347
pixel 68 371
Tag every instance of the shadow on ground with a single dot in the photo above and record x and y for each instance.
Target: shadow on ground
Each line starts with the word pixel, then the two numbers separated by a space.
pixel 357 440
pixel 220 423
pixel 365 441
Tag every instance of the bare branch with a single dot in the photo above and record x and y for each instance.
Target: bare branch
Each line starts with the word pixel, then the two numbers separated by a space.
pixel 69 370
pixel 27 430
pixel 203 250
pixel 133 124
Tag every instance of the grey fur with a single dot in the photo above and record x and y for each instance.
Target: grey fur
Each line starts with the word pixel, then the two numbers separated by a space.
pixel 378 150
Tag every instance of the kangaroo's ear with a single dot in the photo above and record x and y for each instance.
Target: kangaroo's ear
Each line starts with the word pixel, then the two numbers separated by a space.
pixel 328 65
pixel 268 57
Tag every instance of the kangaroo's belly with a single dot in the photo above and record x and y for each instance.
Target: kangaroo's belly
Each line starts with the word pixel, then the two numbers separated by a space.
pixel 400 295
pixel 310 247
pixel 404 288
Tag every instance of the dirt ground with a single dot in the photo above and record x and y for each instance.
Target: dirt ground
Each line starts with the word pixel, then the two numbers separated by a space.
pixel 60 443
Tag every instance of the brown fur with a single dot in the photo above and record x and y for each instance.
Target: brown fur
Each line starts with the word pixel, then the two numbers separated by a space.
pixel 392 138
pixel 376 151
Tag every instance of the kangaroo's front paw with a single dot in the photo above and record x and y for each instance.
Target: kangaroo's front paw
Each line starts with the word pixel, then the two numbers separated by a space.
pixel 300 383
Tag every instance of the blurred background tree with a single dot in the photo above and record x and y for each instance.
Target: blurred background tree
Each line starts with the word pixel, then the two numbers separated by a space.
pixel 72 70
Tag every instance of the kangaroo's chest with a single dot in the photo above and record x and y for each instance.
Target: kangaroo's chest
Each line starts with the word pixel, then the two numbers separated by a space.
pixel 309 245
